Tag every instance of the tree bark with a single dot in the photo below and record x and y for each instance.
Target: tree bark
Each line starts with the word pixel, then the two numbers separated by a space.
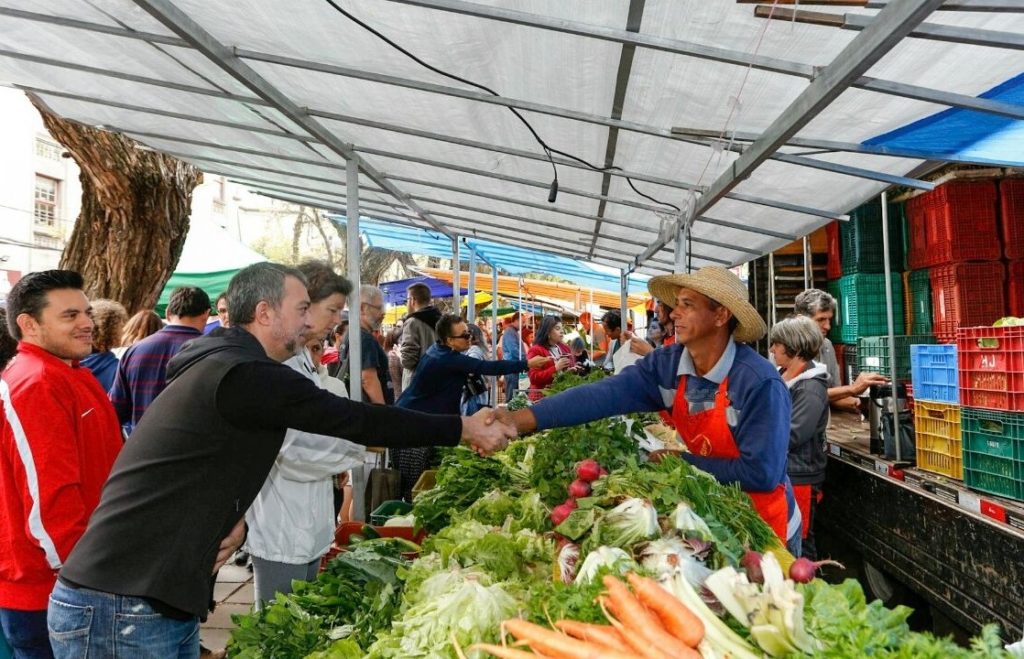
pixel 135 213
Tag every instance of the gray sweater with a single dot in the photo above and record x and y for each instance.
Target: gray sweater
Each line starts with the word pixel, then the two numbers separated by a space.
pixel 809 393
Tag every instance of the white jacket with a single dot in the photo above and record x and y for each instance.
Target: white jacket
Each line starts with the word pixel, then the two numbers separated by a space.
pixel 292 518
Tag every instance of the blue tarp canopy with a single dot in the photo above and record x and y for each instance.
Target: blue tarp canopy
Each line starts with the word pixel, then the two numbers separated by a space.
pixel 394 291
pixel 966 135
pixel 514 260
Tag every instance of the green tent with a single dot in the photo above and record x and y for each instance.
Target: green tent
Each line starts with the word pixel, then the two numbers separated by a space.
pixel 209 260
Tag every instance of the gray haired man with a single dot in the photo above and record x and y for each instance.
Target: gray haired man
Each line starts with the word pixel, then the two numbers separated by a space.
pixel 820 307
pixel 137 583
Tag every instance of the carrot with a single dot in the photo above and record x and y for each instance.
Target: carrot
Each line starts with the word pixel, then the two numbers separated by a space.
pixel 504 652
pixel 559 645
pixel 598 634
pixel 638 643
pixel 678 620
pixel 638 620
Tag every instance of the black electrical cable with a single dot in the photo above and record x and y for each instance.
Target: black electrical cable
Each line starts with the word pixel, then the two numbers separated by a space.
pixel 548 150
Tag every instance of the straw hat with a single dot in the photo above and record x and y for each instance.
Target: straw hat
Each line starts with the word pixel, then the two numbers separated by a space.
pixel 720 285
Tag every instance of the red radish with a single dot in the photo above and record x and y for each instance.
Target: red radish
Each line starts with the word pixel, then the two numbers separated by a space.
pixel 751 562
pixel 579 489
pixel 571 502
pixel 802 570
pixel 588 470
pixel 561 512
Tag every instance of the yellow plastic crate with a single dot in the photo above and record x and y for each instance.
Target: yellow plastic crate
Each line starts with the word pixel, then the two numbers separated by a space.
pixel 939 448
pixel 426 481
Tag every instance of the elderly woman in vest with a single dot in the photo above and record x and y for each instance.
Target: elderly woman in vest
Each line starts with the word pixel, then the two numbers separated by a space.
pixel 794 343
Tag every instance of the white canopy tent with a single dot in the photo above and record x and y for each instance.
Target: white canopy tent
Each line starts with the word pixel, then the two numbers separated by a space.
pixel 278 95
pixel 754 128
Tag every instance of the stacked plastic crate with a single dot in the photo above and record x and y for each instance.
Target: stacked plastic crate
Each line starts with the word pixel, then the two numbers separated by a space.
pixel 937 412
pixel 991 364
pixel 954 233
pixel 856 269
pixel 1011 216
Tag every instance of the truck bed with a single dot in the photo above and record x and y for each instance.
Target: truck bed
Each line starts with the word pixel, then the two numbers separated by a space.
pixel 959 550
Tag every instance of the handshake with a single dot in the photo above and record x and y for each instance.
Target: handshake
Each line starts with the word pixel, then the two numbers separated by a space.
pixel 490 429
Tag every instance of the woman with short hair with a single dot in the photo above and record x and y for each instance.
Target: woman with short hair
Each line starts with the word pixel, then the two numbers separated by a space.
pixel 794 343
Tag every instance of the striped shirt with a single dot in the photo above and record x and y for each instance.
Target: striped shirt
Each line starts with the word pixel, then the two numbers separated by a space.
pixel 142 373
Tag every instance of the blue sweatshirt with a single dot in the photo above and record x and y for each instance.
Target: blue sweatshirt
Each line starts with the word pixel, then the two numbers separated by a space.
pixel 759 411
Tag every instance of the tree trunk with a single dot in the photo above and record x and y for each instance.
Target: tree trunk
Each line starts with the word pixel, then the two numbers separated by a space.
pixel 135 213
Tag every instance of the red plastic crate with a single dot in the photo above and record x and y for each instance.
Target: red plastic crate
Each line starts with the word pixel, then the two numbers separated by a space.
pixel 991 362
pixel 1015 288
pixel 1011 201
pixel 834 268
pixel 964 295
pixel 954 222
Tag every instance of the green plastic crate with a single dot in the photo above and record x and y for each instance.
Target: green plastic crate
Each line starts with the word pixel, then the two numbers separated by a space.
pixel 860 239
pixel 873 353
pixel 994 451
pixel 389 509
pixel 920 296
pixel 862 306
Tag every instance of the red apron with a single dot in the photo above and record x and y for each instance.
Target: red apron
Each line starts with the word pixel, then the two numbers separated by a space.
pixel 708 434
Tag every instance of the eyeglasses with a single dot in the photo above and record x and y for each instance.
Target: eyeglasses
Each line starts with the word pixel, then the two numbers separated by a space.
pixel 378 307
pixel 464 335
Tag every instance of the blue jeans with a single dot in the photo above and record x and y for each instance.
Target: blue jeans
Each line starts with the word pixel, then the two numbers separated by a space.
pixel 25 632
pixel 90 623
pixel 511 386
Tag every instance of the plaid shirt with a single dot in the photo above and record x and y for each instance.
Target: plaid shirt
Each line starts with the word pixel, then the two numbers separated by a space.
pixel 142 373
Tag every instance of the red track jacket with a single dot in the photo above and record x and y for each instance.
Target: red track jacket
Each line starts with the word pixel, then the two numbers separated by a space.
pixel 59 436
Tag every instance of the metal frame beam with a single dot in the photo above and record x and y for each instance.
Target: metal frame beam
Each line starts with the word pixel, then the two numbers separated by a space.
pixel 859 172
pixel 930 31
pixel 674 46
pixel 994 6
pixel 633 20
pixel 181 24
pixel 866 49
pixel 166 113
pixel 831 145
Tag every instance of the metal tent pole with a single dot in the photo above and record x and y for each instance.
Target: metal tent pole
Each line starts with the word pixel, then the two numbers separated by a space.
pixel 680 256
pixel 495 330
pixel 624 299
pixel 807 263
pixel 456 276
pixel 520 310
pixel 889 320
pixel 471 304
pixel 771 286
pixel 354 249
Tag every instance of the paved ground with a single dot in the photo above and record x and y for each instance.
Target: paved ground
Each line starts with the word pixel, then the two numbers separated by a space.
pixel 234 594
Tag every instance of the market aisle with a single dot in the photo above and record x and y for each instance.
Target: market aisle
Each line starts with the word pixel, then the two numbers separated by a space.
pixel 234 594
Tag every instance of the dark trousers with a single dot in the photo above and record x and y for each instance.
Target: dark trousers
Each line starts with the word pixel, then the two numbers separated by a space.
pixel 26 633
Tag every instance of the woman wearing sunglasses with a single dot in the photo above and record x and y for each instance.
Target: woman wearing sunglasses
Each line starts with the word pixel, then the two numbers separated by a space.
pixel 438 383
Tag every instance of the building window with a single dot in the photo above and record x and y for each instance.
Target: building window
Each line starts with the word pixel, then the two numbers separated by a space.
pixel 50 242
pixel 48 150
pixel 46 201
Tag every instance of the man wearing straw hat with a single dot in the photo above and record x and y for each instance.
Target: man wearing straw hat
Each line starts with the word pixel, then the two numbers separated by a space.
pixel 729 405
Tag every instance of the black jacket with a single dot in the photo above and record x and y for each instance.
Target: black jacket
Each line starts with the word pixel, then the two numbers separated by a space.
pixel 198 458
pixel 809 393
